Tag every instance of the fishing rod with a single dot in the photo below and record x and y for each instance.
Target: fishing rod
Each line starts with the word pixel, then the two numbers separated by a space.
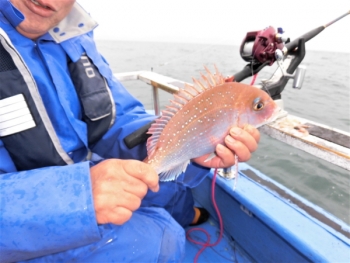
pixel 311 34
pixel 264 47
pixel 259 48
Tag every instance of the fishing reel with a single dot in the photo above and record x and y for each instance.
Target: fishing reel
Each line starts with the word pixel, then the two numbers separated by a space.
pixel 263 46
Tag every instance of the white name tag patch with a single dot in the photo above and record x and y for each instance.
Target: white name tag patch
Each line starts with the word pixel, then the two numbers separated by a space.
pixel 15 115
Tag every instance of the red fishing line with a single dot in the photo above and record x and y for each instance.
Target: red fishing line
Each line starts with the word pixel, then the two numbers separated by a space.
pixel 253 79
pixel 207 243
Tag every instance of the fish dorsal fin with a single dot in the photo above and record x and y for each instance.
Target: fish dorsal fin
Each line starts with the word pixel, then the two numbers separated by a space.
pixel 181 98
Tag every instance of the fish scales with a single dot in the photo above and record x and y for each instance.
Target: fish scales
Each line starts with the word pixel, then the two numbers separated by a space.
pixel 200 117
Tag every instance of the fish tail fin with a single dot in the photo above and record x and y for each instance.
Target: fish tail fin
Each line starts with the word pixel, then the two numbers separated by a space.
pixel 173 173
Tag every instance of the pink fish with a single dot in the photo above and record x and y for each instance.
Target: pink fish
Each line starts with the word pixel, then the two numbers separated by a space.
pixel 200 117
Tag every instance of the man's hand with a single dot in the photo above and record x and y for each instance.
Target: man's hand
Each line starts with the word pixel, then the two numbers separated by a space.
pixel 118 186
pixel 240 141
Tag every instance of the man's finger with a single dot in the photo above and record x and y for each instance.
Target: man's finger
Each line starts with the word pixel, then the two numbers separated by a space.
pixel 252 131
pixel 144 172
pixel 134 186
pixel 239 148
pixel 225 155
pixel 117 216
pixel 118 198
pixel 244 137
pixel 127 200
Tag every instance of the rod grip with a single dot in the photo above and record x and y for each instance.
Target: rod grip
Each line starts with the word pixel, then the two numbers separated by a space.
pixel 138 136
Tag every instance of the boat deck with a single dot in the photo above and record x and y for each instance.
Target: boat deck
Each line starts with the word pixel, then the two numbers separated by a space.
pixel 227 250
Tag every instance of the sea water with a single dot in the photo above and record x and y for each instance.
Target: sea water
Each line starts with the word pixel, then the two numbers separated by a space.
pixel 324 98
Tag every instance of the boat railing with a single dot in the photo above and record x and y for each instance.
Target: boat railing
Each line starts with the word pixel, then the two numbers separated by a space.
pixel 327 143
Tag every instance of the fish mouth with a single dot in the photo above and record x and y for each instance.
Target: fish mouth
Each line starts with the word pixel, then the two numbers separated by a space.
pixel 277 113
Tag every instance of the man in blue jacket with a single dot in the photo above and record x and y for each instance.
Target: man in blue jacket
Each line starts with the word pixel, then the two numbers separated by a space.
pixel 70 187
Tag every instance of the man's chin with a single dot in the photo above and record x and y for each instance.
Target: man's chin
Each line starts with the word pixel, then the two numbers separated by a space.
pixel 30 33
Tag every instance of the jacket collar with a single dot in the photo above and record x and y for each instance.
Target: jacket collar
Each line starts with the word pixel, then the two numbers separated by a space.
pixel 12 14
pixel 76 23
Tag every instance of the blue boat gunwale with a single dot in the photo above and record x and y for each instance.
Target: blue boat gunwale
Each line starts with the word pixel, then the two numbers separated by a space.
pixel 255 215
pixel 319 215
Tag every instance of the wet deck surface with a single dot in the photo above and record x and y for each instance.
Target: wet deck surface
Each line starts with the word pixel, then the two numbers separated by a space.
pixel 226 251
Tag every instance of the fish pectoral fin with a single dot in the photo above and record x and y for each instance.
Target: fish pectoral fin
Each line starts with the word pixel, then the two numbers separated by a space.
pixel 211 156
pixel 172 174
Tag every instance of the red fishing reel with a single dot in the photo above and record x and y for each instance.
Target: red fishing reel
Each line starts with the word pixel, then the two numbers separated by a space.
pixel 260 46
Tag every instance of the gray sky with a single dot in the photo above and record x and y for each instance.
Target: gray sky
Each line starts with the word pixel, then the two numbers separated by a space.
pixel 219 21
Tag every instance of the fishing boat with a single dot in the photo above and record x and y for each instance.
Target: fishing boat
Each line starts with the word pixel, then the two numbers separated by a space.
pixel 261 220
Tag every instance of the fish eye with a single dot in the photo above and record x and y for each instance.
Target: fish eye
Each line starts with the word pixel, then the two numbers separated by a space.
pixel 258 104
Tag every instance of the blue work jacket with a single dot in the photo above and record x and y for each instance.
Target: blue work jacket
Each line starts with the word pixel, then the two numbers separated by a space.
pixel 33 193
pixel 40 207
